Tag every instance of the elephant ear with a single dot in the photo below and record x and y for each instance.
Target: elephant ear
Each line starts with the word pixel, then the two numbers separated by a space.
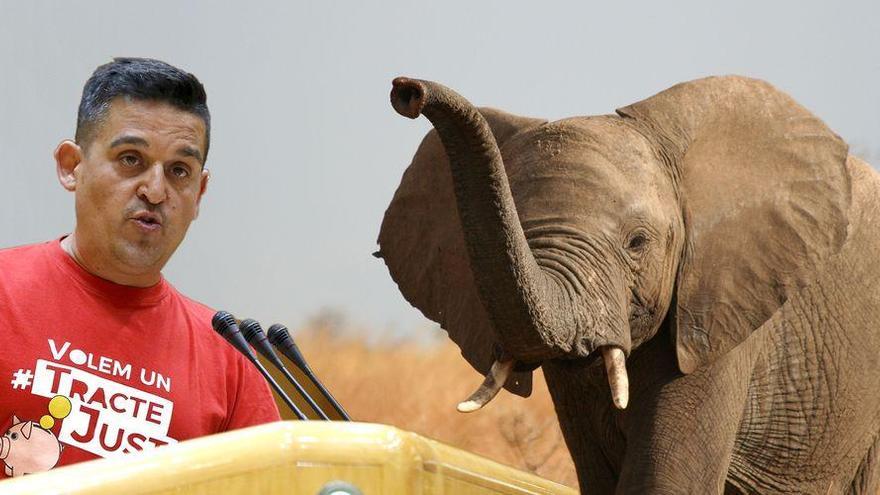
pixel 422 243
pixel 764 194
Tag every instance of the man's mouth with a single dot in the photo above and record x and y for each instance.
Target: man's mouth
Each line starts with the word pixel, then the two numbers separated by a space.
pixel 148 221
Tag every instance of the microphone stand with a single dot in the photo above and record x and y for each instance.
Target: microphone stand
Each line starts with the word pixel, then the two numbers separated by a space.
pixel 224 324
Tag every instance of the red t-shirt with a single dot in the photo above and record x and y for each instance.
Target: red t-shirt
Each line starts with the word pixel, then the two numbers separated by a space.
pixel 89 368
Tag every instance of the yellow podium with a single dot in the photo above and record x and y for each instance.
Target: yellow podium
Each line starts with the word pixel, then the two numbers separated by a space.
pixel 293 457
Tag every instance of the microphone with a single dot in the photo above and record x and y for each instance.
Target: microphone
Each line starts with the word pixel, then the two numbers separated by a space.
pixel 224 324
pixel 253 332
pixel 280 338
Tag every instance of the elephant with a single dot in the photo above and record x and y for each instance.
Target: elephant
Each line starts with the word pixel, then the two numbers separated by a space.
pixel 693 273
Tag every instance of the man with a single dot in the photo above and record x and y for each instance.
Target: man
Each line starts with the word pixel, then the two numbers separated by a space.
pixel 100 355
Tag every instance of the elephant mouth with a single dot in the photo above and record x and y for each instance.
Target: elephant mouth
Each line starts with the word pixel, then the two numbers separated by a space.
pixel 615 370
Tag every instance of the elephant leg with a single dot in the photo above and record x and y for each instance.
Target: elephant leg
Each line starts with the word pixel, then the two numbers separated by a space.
pixel 681 429
pixel 867 480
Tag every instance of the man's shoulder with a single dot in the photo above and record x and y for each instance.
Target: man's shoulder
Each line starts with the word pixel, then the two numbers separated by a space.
pixel 24 252
pixel 24 261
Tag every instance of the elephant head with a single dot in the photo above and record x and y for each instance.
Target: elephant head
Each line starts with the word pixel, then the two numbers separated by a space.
pixel 703 207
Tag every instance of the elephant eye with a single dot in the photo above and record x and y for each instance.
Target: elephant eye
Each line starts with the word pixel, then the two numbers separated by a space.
pixel 637 242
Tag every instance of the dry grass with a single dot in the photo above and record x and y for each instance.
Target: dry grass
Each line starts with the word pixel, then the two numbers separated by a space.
pixel 416 388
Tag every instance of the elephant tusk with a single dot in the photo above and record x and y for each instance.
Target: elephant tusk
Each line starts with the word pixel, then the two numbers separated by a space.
pixel 495 380
pixel 618 382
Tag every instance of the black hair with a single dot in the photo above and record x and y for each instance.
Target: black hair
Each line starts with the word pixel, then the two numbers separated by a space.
pixel 142 79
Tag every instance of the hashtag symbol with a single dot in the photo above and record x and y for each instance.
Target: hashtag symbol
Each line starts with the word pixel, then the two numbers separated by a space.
pixel 22 379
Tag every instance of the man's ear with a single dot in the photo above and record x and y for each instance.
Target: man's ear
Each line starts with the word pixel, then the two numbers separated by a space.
pixel 203 186
pixel 68 156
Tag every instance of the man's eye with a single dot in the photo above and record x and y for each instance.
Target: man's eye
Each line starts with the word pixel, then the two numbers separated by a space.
pixel 180 171
pixel 130 160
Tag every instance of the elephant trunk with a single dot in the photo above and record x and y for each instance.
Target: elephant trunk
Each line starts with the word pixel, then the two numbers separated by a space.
pixel 531 314
pixel 534 315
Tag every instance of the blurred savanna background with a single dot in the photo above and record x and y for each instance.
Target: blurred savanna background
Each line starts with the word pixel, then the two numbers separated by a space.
pixel 306 151
pixel 416 386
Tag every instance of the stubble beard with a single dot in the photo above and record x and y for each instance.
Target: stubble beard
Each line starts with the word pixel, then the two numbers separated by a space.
pixel 140 255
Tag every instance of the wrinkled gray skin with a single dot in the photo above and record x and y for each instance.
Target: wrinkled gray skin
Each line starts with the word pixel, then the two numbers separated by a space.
pixel 717 232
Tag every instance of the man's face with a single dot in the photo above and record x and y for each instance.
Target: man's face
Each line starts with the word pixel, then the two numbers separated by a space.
pixel 138 185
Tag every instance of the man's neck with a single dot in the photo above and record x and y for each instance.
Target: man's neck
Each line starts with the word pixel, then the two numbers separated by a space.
pixel 69 245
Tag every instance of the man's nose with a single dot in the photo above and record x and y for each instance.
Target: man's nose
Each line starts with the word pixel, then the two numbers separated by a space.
pixel 152 188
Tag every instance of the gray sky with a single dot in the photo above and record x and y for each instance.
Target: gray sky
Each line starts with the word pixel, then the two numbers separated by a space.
pixel 306 150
